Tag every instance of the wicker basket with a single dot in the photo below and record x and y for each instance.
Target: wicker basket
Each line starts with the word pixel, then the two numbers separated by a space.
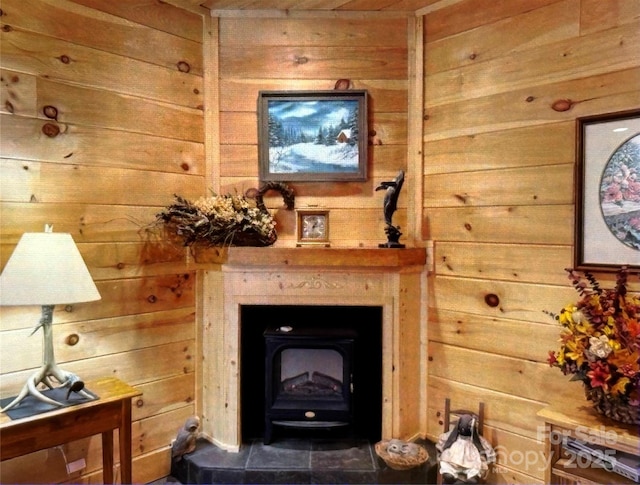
pixel 400 462
pixel 612 408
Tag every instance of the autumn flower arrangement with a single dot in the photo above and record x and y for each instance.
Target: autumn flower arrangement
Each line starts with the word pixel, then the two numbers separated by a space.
pixel 600 345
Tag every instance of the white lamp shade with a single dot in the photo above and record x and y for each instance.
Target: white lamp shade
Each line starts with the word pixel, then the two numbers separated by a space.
pixel 46 268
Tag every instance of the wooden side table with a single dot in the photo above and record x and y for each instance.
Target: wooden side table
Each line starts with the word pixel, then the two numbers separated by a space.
pixel 580 421
pixel 111 411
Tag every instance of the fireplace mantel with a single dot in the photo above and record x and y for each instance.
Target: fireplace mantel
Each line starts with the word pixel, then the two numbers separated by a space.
pixel 311 257
pixel 393 279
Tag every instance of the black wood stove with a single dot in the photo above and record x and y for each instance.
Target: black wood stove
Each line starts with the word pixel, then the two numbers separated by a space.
pixel 308 378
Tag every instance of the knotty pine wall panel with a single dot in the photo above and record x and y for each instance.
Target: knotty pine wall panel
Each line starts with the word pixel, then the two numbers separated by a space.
pixel 160 16
pixel 512 186
pixel 599 53
pixel 527 107
pixel 79 64
pixel 146 329
pixel 386 95
pixel 76 184
pixel 595 16
pixel 469 14
pixel 91 222
pixel 499 193
pixel 94 27
pixel 128 150
pixel 123 130
pixel 518 147
pixel 334 31
pixel 499 224
pixel 311 52
pixel 468 331
pixel 503 261
pixel 507 375
pixel 555 22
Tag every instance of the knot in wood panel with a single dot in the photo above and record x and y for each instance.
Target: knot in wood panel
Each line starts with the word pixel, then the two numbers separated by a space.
pixel 72 339
pixel 183 66
pixel 342 84
pixel 562 105
pixel 50 112
pixel 492 300
pixel 50 130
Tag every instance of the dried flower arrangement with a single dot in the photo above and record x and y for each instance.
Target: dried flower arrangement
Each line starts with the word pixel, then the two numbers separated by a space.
pixel 225 220
pixel 600 345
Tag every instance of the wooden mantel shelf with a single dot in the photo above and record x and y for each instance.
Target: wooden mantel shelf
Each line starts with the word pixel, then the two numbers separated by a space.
pixel 310 257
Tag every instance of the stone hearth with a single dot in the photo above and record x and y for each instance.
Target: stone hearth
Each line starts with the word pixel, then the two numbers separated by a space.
pixel 298 461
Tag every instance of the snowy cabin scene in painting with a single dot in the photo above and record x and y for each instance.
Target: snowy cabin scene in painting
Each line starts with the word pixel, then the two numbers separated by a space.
pixel 313 136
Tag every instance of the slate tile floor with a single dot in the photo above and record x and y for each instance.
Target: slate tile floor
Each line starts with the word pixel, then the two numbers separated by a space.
pixel 297 461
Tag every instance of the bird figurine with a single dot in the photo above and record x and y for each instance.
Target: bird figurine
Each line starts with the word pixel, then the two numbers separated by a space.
pixel 392 189
pixel 400 447
pixel 185 442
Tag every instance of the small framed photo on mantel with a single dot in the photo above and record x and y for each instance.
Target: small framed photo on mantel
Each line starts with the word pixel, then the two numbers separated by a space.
pixel 313 227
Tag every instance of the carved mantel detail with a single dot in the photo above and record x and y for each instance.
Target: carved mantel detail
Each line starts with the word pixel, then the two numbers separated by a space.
pixel 315 283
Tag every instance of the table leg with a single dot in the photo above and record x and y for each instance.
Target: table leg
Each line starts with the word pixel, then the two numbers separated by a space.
pixel 107 456
pixel 125 442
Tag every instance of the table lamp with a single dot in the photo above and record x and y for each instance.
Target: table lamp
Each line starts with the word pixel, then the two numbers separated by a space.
pixel 46 269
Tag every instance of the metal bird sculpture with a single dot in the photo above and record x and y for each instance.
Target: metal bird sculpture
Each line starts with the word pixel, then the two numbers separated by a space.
pixel 185 442
pixel 390 205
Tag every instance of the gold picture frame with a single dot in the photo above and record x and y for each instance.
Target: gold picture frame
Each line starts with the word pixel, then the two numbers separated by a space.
pixel 312 227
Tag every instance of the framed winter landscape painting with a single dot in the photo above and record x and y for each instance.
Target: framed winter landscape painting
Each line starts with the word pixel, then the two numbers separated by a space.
pixel 312 135
pixel 608 191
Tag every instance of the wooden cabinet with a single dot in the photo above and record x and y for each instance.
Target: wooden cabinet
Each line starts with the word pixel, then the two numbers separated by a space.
pixel 581 422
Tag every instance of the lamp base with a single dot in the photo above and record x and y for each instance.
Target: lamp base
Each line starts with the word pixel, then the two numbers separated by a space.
pixel 31 406
pixel 48 370
pixel 72 383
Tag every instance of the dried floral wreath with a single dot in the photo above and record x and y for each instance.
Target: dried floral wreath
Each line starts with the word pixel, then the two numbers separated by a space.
pixel 225 220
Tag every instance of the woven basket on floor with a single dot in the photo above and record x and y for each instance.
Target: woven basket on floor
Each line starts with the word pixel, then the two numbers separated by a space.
pixel 400 462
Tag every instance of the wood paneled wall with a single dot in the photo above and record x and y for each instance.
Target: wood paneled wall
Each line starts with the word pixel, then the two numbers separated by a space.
pixel 302 51
pixel 498 198
pixel 125 86
pixel 124 131
pixel 126 80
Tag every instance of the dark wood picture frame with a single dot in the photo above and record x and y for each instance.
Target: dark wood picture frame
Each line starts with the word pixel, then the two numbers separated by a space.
pixel 607 232
pixel 311 136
